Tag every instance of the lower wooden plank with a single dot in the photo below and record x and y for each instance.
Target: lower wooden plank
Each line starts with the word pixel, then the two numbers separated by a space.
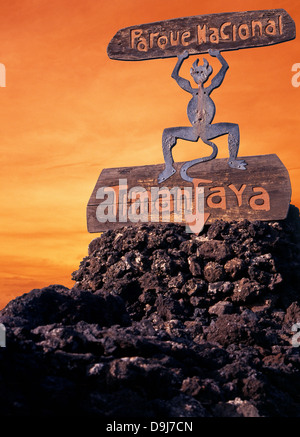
pixel 128 195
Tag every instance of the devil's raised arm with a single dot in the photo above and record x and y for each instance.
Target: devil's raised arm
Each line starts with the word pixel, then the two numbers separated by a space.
pixel 219 77
pixel 183 83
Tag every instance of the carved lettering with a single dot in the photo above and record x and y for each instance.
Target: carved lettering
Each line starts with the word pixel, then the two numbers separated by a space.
pixel 263 193
pixel 222 30
pixel 238 193
pixel 257 25
pixel 261 201
pixel 228 31
pixel 220 198
pixel 214 36
pixel 184 37
pixel 162 41
pixel 271 28
pixel 280 24
pixel 152 36
pixel 244 31
pixel 234 32
pixel 201 34
pixel 142 45
pixel 174 41
pixel 135 34
pixel 160 202
pixel 164 201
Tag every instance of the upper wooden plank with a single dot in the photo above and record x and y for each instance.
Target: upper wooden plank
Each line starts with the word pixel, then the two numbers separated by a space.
pixel 198 34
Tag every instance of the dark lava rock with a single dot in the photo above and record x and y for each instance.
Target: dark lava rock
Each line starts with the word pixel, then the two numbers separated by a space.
pixel 161 323
pixel 213 272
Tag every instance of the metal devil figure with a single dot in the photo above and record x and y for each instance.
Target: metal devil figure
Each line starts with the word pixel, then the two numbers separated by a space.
pixel 203 189
pixel 201 111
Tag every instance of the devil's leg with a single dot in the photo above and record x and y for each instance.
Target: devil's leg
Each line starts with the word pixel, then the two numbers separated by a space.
pixel 233 141
pixel 168 142
pixel 233 146
pixel 232 129
pixel 169 139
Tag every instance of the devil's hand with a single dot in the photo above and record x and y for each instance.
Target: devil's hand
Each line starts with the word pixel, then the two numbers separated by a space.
pixel 214 53
pixel 183 55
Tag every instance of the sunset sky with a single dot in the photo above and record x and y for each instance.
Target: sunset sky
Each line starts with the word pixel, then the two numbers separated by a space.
pixel 68 111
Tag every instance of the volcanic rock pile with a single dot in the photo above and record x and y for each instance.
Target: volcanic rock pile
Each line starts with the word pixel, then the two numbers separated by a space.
pixel 163 323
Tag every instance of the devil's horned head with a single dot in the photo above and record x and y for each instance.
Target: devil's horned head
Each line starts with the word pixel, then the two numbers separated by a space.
pixel 201 73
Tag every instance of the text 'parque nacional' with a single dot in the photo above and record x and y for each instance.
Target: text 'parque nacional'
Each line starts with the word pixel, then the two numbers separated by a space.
pixel 197 34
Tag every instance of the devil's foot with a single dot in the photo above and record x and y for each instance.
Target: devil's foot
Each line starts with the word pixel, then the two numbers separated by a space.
pixel 239 164
pixel 164 175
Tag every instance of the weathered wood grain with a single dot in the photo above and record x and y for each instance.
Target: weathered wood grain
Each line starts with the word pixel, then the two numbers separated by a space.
pixel 198 34
pixel 229 194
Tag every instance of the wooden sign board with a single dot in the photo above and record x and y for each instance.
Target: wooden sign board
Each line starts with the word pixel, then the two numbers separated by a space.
pixel 198 34
pixel 262 192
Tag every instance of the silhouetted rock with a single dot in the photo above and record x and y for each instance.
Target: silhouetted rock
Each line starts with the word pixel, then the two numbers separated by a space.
pixel 163 323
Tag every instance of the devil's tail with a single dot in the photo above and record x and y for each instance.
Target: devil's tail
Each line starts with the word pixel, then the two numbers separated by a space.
pixel 187 165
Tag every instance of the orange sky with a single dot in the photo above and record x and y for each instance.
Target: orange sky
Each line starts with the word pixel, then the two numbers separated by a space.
pixel 68 111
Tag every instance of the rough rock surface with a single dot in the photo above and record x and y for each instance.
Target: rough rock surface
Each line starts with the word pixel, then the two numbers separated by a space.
pixel 163 323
